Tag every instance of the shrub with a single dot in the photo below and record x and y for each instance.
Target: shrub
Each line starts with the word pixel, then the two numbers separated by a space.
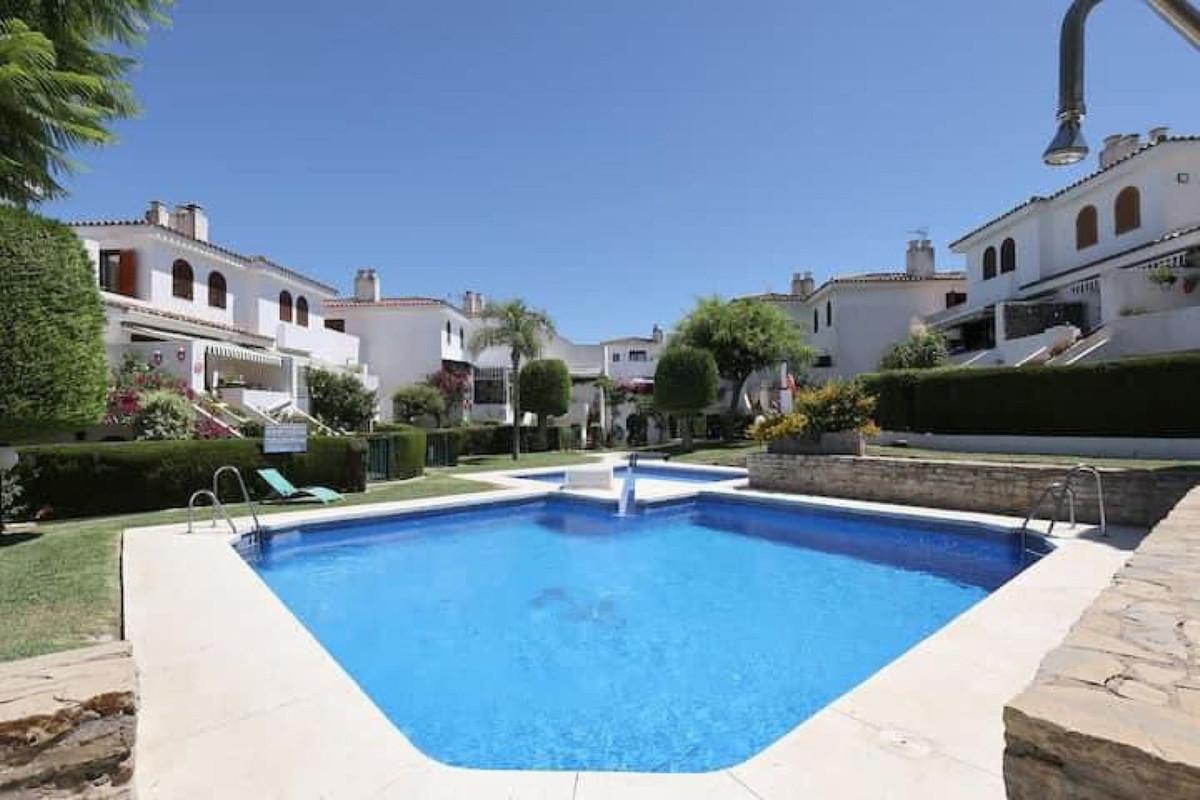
pixel 546 389
pixel 411 403
pixel 480 440
pixel 923 349
pixel 1132 397
pixel 164 415
pixel 76 480
pixel 339 399
pixel 52 362
pixel 779 426
pixel 837 406
pixel 685 382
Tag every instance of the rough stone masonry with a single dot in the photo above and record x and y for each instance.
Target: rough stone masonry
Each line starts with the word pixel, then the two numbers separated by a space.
pixel 1114 711
pixel 67 724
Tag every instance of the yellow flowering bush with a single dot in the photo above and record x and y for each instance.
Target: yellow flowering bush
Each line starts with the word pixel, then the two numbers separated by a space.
pixel 836 406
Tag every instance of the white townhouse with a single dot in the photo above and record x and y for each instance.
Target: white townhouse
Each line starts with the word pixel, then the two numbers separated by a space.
pixel 852 320
pixel 242 328
pixel 407 339
pixel 1106 267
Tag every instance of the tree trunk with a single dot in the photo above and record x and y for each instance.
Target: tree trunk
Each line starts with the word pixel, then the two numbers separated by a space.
pixel 516 401
pixel 685 432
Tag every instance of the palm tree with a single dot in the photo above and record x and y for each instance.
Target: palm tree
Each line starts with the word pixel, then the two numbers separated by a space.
pixel 518 327
pixel 44 111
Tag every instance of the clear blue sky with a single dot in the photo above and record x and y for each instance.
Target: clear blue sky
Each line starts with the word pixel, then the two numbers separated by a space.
pixel 612 161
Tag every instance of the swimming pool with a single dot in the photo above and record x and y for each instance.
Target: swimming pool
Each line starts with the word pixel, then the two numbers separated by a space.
pixel 659 471
pixel 551 634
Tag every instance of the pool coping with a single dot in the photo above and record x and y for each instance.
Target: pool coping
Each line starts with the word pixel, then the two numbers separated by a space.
pixel 239 699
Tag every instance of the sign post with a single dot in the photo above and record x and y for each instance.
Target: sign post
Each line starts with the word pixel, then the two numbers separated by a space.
pixel 285 438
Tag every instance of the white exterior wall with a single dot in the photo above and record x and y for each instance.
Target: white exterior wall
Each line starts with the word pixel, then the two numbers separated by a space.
pixel 625 369
pixel 868 318
pixel 403 345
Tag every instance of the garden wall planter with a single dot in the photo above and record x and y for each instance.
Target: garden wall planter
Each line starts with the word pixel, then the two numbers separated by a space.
pixel 840 443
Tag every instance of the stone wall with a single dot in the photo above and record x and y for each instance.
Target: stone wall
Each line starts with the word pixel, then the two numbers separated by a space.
pixel 67 724
pixel 1131 496
pixel 1114 712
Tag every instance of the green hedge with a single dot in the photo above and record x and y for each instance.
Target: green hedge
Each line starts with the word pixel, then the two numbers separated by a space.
pixel 482 440
pixel 1155 396
pixel 77 480
pixel 399 453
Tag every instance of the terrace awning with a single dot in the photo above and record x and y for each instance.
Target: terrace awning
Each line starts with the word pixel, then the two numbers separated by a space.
pixel 235 353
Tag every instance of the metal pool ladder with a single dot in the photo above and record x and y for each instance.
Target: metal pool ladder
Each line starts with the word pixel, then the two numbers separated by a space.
pixel 1061 490
pixel 214 496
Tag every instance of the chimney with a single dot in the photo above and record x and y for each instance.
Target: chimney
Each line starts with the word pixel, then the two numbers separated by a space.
pixel 366 286
pixel 472 304
pixel 1159 134
pixel 657 334
pixel 157 214
pixel 190 220
pixel 919 259
pixel 803 285
pixel 1117 147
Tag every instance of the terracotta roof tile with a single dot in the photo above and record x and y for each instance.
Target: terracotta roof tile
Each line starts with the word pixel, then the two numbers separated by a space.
pixel 389 302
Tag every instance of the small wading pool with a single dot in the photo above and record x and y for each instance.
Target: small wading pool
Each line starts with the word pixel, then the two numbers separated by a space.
pixel 552 634
pixel 656 471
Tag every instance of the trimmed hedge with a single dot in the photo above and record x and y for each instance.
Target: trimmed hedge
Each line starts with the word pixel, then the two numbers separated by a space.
pixel 1154 397
pixel 396 454
pixel 486 440
pixel 78 480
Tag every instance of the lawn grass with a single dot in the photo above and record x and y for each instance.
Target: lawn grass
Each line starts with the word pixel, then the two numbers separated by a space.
pixel 488 463
pixel 61 583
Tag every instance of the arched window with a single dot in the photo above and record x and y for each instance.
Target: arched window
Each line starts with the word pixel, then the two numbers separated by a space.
pixel 989 263
pixel 816 320
pixel 301 312
pixel 828 313
pixel 216 290
pixel 449 332
pixel 1008 256
pixel 181 279
pixel 462 337
pixel 285 306
pixel 1128 210
pixel 1087 227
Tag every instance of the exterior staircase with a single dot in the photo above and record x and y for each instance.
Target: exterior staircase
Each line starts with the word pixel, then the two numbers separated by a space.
pixel 1083 349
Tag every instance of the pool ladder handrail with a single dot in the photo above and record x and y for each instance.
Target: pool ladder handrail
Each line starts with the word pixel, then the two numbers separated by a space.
pixel 216 506
pixel 1064 489
pixel 237 473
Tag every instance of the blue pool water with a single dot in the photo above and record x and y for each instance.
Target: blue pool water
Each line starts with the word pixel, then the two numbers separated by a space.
pixel 643 471
pixel 552 634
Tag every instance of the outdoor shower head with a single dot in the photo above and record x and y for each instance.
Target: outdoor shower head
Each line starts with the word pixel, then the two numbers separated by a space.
pixel 1068 145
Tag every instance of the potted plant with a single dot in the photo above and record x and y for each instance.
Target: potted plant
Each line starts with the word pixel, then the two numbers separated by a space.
pixel 1163 276
pixel 834 419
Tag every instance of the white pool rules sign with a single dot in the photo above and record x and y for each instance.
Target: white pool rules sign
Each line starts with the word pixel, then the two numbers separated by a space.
pixel 285 438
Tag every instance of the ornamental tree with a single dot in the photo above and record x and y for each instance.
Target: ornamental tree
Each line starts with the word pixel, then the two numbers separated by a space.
pixel 339 399
pixel 685 383
pixel 52 363
pixel 546 390
pixel 744 336
pixel 520 329
pixel 410 403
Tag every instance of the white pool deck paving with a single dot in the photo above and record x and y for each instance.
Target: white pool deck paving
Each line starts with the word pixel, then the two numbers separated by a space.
pixel 239 700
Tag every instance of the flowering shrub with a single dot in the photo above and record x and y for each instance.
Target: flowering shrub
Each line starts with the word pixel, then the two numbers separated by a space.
pixel 836 406
pixel 454 383
pixel 778 426
pixel 131 381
